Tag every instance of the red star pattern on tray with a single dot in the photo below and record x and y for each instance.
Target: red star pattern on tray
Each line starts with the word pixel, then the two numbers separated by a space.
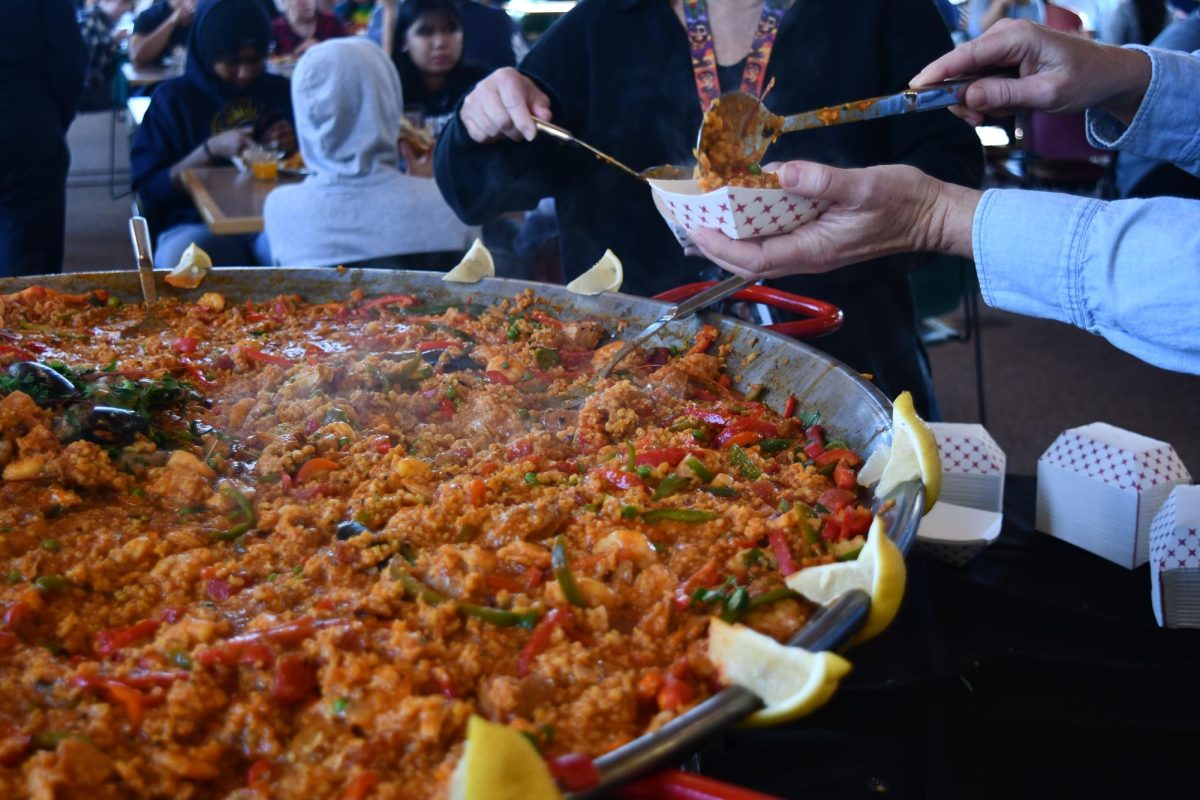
pixel 754 212
pixel 970 456
pixel 1123 469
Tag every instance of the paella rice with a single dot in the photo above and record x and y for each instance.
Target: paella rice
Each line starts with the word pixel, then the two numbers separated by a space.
pixel 287 549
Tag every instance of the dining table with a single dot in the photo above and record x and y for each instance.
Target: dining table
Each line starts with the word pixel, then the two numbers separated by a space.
pixel 230 201
pixel 1035 671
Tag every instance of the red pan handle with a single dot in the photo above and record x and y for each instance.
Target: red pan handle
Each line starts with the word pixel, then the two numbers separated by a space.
pixel 823 318
pixel 675 785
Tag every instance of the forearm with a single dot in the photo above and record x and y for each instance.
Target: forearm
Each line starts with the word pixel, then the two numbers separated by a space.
pixel 197 158
pixel 144 49
pixel 1127 270
pixel 1130 78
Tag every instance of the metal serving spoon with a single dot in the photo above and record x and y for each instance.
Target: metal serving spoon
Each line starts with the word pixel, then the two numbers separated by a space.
pixel 678 311
pixel 567 136
pixel 757 128
pixel 139 236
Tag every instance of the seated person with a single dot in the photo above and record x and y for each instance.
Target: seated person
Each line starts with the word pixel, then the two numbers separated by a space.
pixel 492 39
pixel 302 26
pixel 104 43
pixel 983 14
pixel 355 14
pixel 160 29
pixel 222 104
pixel 356 208
pixel 429 56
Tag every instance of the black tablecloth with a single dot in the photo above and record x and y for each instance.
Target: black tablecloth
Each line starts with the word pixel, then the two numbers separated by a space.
pixel 1035 671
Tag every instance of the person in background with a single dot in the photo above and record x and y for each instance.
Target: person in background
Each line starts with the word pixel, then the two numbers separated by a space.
pixel 1134 22
pixel 429 57
pixel 223 103
pixel 1127 270
pixel 983 14
pixel 42 64
pixel 490 36
pixel 645 110
pixel 105 50
pixel 160 29
pixel 356 208
pixel 1136 175
pixel 302 26
pixel 355 14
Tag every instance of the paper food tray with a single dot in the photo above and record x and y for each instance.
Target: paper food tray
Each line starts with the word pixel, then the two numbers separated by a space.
pixel 738 213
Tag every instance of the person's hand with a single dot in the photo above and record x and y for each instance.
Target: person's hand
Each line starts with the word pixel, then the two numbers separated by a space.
pixel 502 106
pixel 418 166
pixel 1059 73
pixel 184 10
pixel 877 211
pixel 231 142
pixel 281 135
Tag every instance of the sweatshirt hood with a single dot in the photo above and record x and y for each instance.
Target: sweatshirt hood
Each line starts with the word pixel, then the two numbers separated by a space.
pixel 348 105
pixel 220 28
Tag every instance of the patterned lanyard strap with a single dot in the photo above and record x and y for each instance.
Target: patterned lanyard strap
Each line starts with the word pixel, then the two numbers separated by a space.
pixel 704 56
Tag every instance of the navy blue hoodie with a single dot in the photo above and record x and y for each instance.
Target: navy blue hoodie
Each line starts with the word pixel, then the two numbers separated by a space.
pixel 185 112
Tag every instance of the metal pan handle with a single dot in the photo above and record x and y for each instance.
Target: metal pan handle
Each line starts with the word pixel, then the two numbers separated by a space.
pixel 824 318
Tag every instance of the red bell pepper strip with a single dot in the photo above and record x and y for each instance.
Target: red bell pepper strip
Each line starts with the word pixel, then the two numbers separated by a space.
pixel 115 691
pixel 710 415
pixel 24 355
pixel 575 771
pixel 185 344
pixel 541 637
pixel 446 406
pixel 148 680
pixel 109 642
pixel 836 499
pixel 314 466
pixel 753 423
pixel 789 407
pixel 495 376
pixel 619 478
pixel 664 455
pixel 289 633
pixel 704 339
pixel 708 575
pixel 541 316
pixel 814 449
pixel 844 477
pixel 196 374
pixel 676 785
pixel 729 438
pixel 313 353
pixel 258 776
pixel 783 554
pixel 846 523
pixel 294 679
pixel 839 456
pixel 254 354
pixel 403 300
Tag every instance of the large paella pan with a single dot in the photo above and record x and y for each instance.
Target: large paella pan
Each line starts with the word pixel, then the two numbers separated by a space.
pixel 290 544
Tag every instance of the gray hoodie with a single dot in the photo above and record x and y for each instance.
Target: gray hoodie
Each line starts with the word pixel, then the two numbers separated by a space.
pixel 357 205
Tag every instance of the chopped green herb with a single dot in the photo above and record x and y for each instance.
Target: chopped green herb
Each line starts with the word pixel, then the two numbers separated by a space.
pixel 752 557
pixel 820 509
pixel 15 577
pixel 629 512
pixel 808 418
pixel 514 332
pixel 339 706
pixel 179 658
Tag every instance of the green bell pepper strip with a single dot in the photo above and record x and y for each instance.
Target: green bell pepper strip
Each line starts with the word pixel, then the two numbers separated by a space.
pixel 496 616
pixel 245 511
pixel 669 486
pixel 720 491
pixel 563 574
pixel 688 515
pixel 772 596
pixel 736 605
pixel 774 445
pixel 697 466
pixel 741 459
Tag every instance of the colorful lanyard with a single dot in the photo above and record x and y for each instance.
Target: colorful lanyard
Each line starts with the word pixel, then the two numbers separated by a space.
pixel 704 54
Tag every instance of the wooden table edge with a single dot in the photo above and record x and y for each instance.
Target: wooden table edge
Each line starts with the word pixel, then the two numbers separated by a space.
pixel 214 218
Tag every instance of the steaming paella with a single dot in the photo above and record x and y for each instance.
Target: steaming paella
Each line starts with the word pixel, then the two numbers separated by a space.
pixel 288 549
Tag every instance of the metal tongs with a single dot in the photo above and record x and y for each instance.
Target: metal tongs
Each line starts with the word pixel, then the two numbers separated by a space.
pixel 684 309
pixel 139 235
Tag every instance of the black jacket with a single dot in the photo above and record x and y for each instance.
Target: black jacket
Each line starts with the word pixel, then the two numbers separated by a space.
pixel 619 75
pixel 42 65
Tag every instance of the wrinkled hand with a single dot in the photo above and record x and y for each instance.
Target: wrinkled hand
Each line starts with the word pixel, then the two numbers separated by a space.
pixel 502 106
pixel 417 166
pixel 1059 73
pixel 877 211
pixel 231 142
pixel 282 136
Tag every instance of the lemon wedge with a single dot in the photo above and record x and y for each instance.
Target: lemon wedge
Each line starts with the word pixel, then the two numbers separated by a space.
pixel 476 265
pixel 193 265
pixel 914 454
pixel 498 763
pixel 879 571
pixel 791 681
pixel 606 276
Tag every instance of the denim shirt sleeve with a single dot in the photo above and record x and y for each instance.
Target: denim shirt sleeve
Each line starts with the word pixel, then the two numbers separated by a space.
pixel 1167 124
pixel 1128 271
